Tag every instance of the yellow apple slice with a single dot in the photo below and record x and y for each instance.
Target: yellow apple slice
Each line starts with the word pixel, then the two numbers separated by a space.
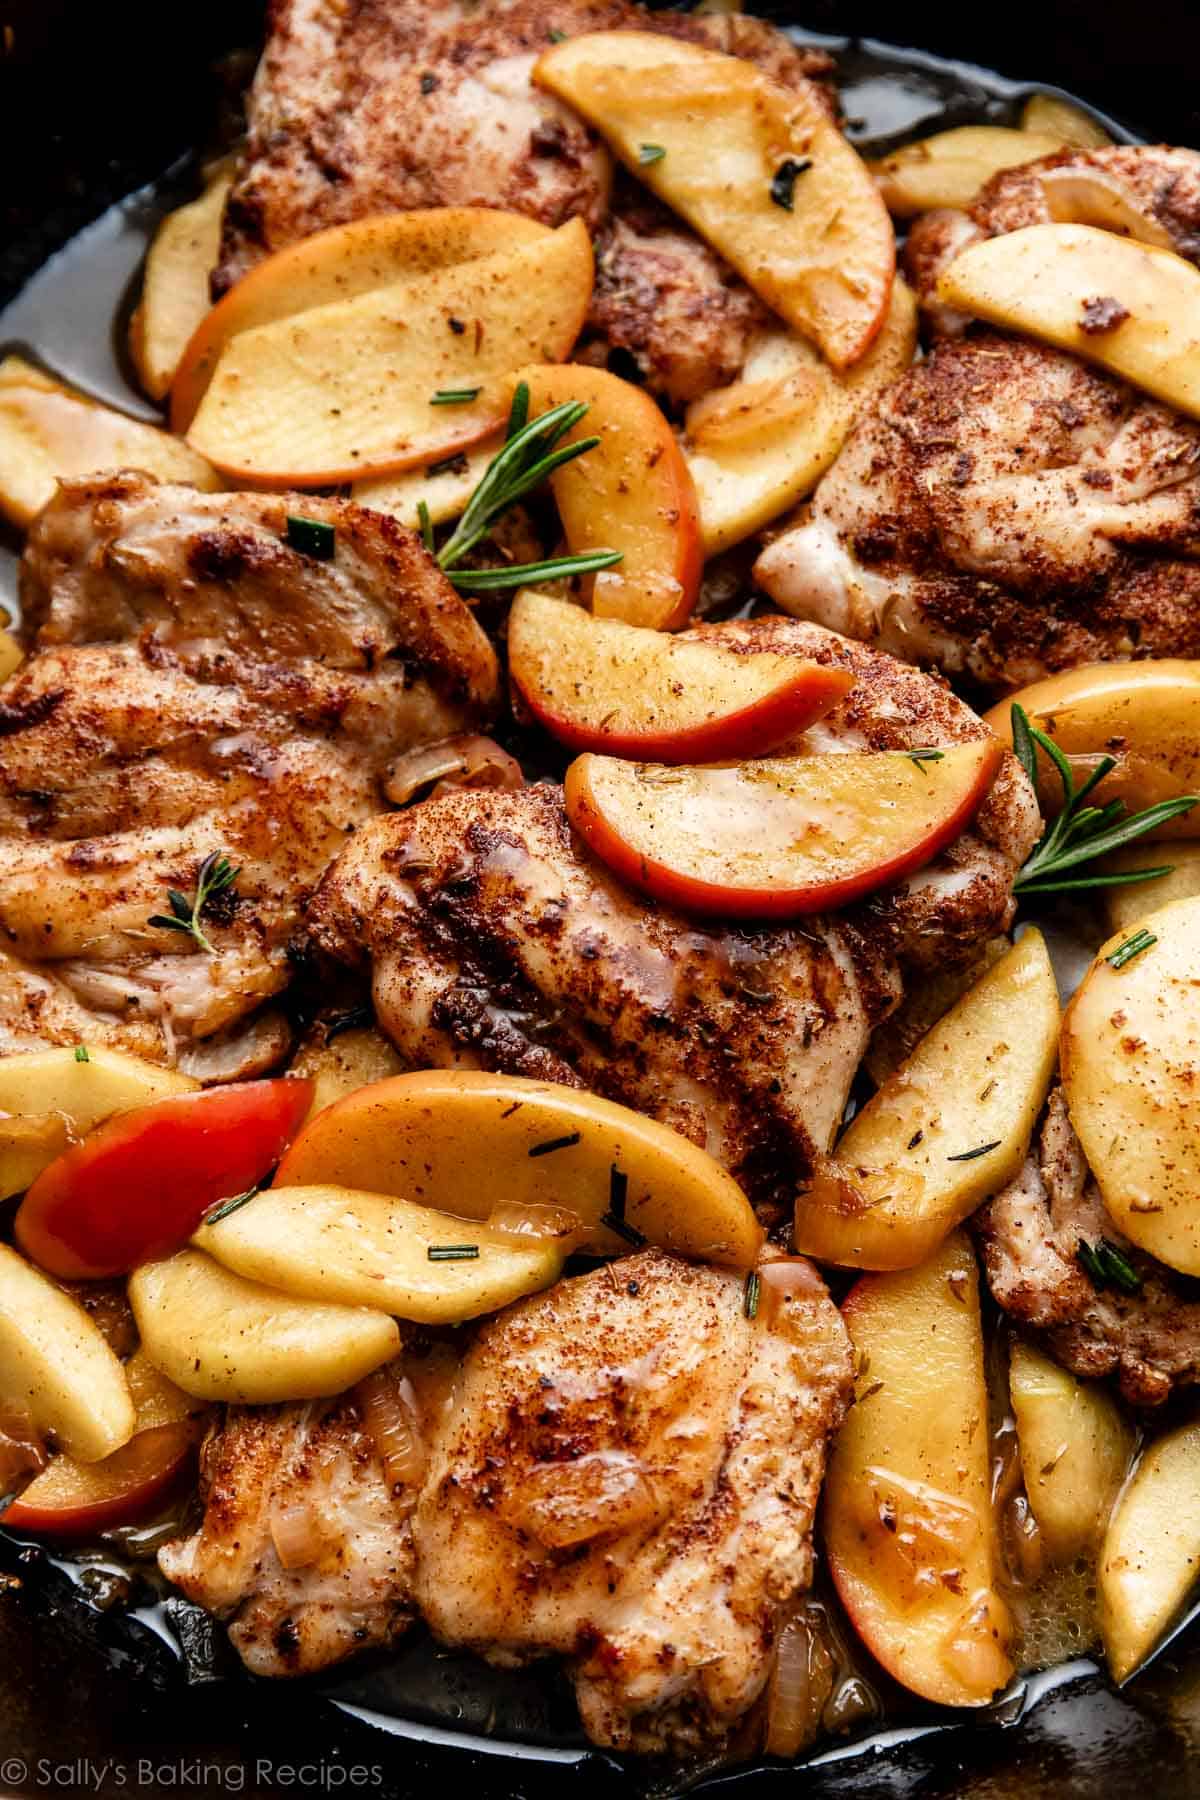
pixel 338 264
pixel 1076 1448
pixel 53 1097
pixel 1144 714
pixel 779 836
pixel 444 489
pixel 600 684
pixel 1151 1555
pixel 756 448
pixel 175 294
pixel 1132 308
pixel 464 1142
pixel 49 431
pixel 1049 115
pixel 220 1337
pixel 908 1520
pixel 350 1060
pixel 11 655
pixel 757 169
pixel 362 386
pixel 54 1361
pixel 1126 906
pixel 949 168
pixel 1131 1075
pixel 631 493
pixel 358 1249
pixel 950 1127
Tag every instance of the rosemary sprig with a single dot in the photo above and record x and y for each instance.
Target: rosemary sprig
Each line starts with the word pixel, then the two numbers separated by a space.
pixel 1081 833
pixel 530 454
pixel 216 875
pixel 235 1203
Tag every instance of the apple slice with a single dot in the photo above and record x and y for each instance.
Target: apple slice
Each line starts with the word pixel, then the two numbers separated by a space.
pixel 11 655
pixel 175 296
pixel 361 386
pixel 632 493
pixel 759 170
pixel 336 265
pixel 1151 1555
pixel 950 1127
pixel 757 447
pixel 778 837
pixel 949 168
pixel 598 684
pixel 465 1142
pixel 1076 1448
pixel 444 489
pixel 1131 1066
pixel 1144 714
pixel 909 1530
pixel 54 1361
pixel 49 430
pixel 1127 904
pixel 1049 115
pixel 1130 307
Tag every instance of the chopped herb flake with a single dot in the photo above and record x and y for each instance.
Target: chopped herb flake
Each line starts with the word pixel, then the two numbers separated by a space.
pixel 618 1192
pixel 980 1150
pixel 1133 946
pixel 81 1053
pixel 751 1294
pixel 556 36
pixel 783 182
pixel 651 153
pixel 311 537
pixel 426 525
pixel 224 1207
pixel 454 396
pixel 449 465
pixel 1107 1266
pixel 452 1252
pixel 353 1019
pixel 923 756
pixel 552 1144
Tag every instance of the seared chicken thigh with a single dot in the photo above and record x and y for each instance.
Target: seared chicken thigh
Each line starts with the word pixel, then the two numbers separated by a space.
pixel 1031 1235
pixel 1004 511
pixel 303 1549
pixel 392 104
pixel 627 1475
pixel 497 941
pixel 196 685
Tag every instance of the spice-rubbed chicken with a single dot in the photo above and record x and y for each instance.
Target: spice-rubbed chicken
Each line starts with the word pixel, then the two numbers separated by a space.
pixel 1003 511
pixel 303 1549
pixel 627 1475
pixel 498 942
pixel 1031 1235
pixel 393 104
pixel 197 685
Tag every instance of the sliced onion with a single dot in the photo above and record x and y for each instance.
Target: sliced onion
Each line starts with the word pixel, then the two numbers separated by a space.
pixel 455 762
pixel 298 1534
pixel 800 1687
pixel 1082 196
pixel 516 1218
pixel 392 1417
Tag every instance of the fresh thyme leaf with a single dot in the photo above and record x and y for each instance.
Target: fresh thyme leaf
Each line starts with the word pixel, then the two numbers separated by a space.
pixel 651 153
pixel 224 1207
pixel 1081 834
pixel 454 396
pixel 311 537
pixel 623 1229
pixel 979 1150
pixel 552 1144
pixel 81 1053
pixel 532 452
pixel 452 1252
pixel 426 525
pixel 783 182
pixel 751 1294
pixel 1133 946
pixel 215 875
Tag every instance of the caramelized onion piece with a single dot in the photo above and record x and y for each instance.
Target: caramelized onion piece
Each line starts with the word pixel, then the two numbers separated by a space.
pixel 392 1417
pixel 456 762
pixel 520 1220
pixel 800 1688
pixel 1085 196
pixel 22 1452
pixel 298 1534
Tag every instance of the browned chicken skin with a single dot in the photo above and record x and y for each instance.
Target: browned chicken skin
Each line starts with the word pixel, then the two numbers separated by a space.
pixel 627 1476
pixel 386 105
pixel 303 1550
pixel 1031 1235
pixel 1004 511
pixel 197 685
pixel 496 941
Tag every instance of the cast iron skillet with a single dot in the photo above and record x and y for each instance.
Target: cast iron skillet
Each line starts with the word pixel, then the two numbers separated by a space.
pixel 95 104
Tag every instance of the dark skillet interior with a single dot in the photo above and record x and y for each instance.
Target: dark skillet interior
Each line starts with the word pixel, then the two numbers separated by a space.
pixel 96 102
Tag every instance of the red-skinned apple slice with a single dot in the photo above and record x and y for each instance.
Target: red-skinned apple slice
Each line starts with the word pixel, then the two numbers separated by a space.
pixel 599 684
pixel 632 493
pixel 778 837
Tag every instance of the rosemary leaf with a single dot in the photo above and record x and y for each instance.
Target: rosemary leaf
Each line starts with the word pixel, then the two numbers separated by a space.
pixel 1133 946
pixel 979 1150
pixel 490 581
pixel 225 1207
